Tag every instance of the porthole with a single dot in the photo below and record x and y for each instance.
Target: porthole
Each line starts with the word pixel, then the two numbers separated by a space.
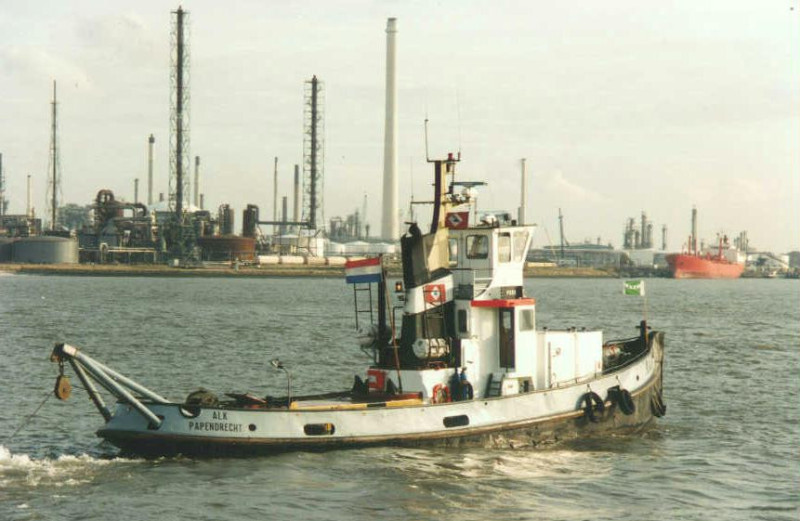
pixel 319 429
pixel 462 420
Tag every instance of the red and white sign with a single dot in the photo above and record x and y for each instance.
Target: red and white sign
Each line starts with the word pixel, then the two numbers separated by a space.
pixel 435 293
pixel 376 380
pixel 457 220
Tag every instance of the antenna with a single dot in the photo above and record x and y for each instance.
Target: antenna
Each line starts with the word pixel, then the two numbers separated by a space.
pixel 364 213
pixel 427 156
pixel 179 114
pixel 314 153
pixel 458 112
pixel 411 175
pixel 54 168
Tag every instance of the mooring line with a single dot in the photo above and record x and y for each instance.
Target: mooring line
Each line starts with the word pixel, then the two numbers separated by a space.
pixel 29 418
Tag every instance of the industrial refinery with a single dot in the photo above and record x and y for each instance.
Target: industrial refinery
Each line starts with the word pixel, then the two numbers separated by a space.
pixel 176 228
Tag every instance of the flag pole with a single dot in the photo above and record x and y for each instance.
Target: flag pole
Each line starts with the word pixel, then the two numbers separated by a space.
pixel 636 287
pixel 644 313
pixel 394 329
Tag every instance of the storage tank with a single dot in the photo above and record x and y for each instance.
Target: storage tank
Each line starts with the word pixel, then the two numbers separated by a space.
pixel 227 248
pixel 381 248
pixel 225 218
pixel 249 221
pixel 356 248
pixel 334 248
pixel 45 250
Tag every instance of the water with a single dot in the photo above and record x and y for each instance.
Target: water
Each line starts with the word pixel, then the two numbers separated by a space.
pixel 726 450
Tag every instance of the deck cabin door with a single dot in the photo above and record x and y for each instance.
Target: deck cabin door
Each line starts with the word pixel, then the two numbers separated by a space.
pixel 506 338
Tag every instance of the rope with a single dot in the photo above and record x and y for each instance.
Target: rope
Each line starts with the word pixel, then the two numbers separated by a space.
pixel 30 417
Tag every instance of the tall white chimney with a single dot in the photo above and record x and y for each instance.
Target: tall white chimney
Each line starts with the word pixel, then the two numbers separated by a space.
pixel 523 195
pixel 390 228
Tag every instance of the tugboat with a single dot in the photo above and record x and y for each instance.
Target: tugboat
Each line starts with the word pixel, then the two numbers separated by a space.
pixel 467 366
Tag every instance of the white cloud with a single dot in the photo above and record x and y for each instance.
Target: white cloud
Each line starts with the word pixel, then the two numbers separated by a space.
pixel 26 66
pixel 556 184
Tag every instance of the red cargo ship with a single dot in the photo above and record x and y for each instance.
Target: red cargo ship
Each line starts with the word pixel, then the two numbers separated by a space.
pixel 688 266
pixel 693 265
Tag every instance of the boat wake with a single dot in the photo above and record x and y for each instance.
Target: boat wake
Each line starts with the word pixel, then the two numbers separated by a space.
pixel 500 465
pixel 20 470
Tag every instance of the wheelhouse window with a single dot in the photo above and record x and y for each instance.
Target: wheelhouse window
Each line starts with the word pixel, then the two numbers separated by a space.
pixel 477 246
pixel 462 320
pixel 526 322
pixel 520 240
pixel 452 250
pixel 504 247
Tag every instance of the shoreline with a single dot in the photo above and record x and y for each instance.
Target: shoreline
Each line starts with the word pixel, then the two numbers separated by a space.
pixel 288 270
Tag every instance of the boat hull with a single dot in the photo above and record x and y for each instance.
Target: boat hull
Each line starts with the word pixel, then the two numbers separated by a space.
pixel 533 434
pixel 684 266
pixel 498 422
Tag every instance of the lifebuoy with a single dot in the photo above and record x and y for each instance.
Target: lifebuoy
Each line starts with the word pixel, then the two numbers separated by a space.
pixel 440 394
pixel 591 403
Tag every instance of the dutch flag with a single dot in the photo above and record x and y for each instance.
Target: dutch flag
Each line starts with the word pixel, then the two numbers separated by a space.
pixel 367 270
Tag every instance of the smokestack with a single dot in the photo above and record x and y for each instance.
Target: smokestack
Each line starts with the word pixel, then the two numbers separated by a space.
pixel 136 190
pixel 28 212
pixel 523 194
pixel 664 237
pixel 296 215
pixel 390 227
pixel 150 142
pixel 644 231
pixel 275 197
pixel 693 245
pixel 284 214
pixel 2 188
pixel 197 181
pixel 202 205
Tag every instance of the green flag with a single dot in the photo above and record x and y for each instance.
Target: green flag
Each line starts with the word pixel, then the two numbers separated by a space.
pixel 633 287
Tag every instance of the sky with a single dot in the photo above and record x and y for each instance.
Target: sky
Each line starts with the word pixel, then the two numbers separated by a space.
pixel 618 106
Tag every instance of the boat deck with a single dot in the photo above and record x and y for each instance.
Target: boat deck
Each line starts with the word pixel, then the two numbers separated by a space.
pixel 322 402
